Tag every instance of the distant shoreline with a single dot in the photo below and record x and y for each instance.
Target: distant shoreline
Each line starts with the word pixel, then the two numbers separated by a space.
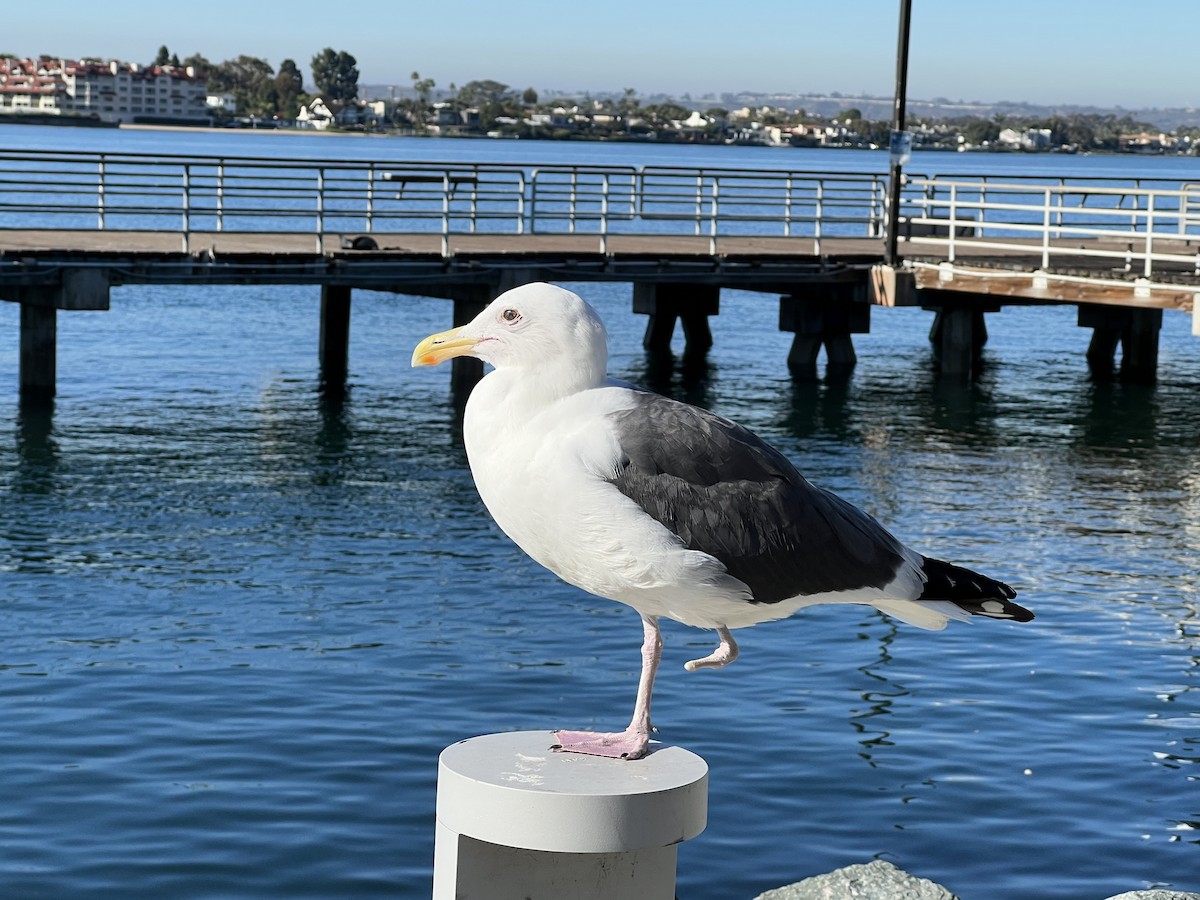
pixel 218 129
pixel 81 122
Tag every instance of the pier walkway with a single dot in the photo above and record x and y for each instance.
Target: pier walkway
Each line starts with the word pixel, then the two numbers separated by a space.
pixel 72 225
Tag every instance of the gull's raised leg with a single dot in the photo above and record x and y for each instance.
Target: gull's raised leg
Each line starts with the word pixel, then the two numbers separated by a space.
pixel 634 741
pixel 726 652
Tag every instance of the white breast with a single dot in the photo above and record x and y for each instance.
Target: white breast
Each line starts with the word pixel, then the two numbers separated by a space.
pixel 543 475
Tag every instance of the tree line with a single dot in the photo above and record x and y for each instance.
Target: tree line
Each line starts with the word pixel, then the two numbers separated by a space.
pixel 261 91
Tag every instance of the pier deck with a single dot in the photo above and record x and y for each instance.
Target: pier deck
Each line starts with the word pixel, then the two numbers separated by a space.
pixel 1103 273
pixel 72 225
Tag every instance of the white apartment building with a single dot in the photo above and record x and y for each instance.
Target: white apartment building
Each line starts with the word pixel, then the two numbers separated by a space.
pixel 27 88
pixel 111 91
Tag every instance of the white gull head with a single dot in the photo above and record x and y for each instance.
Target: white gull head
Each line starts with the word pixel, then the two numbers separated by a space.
pixel 540 330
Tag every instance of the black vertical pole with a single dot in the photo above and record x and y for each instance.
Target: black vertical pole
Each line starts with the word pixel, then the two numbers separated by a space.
pixel 894 176
pixel 334 339
pixel 39 341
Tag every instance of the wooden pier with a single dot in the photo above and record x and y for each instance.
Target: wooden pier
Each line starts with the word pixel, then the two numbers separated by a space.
pixel 72 226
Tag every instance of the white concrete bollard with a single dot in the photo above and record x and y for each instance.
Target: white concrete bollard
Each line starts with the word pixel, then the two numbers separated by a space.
pixel 517 821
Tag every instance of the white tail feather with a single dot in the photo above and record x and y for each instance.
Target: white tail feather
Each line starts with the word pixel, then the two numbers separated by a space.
pixel 931 615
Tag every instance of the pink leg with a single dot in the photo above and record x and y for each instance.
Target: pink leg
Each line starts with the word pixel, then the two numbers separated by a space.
pixel 634 741
pixel 726 652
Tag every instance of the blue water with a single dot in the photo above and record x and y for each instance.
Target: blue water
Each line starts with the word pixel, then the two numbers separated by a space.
pixel 238 623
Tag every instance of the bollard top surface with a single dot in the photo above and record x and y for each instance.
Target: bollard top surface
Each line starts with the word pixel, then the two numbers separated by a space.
pixel 512 789
pixel 523 760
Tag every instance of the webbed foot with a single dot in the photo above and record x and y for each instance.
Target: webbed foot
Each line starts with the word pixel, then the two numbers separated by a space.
pixel 626 744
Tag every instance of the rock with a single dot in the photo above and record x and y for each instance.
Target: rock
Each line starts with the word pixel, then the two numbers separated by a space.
pixel 1156 895
pixel 876 880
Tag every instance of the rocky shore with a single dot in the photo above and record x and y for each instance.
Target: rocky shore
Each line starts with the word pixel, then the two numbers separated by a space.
pixel 880 880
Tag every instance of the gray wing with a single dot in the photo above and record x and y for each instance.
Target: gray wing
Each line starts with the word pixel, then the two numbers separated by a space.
pixel 729 494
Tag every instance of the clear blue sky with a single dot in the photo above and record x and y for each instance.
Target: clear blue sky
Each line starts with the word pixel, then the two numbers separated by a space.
pixel 1102 52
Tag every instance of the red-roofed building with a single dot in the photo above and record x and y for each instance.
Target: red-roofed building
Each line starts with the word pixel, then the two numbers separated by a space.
pixel 25 87
pixel 109 90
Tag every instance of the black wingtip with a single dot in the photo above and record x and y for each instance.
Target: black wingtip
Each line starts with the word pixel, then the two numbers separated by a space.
pixel 971 592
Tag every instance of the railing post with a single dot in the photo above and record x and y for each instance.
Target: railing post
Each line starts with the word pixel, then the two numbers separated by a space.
pixel 221 195
pixel 712 222
pixel 875 208
pixel 531 209
pixel 571 202
pixel 370 196
pixel 100 192
pixel 952 223
pixel 1046 229
pixel 321 209
pixel 1185 206
pixel 604 213
pixel 445 213
pixel 474 199
pixel 521 207
pixel 820 212
pixel 787 206
pixel 1148 267
pixel 186 211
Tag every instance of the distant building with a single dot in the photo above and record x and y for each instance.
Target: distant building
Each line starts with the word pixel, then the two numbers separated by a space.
pixel 446 115
pixel 315 114
pixel 1029 139
pixel 111 91
pixel 319 114
pixel 224 102
pixel 27 87
pixel 1146 142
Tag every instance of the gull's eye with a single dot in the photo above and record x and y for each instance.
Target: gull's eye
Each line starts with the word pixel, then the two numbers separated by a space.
pixel 510 315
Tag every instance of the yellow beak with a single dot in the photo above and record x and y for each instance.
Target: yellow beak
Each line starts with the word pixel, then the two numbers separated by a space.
pixel 440 347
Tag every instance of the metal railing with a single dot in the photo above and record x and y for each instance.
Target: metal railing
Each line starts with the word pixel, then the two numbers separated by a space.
pixel 1146 227
pixel 187 195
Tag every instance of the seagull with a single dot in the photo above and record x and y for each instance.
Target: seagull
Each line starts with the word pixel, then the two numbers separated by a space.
pixel 666 507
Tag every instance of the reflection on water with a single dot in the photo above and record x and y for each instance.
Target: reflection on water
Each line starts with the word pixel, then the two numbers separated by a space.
pixel 880 699
pixel 819 407
pixel 1119 417
pixel 37 449
pixel 240 622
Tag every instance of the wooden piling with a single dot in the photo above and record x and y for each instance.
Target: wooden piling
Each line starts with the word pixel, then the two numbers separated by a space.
pixel 825 315
pixel 668 302
pixel 959 331
pixel 75 289
pixel 334 341
pixel 958 335
pixel 39 352
pixel 1135 331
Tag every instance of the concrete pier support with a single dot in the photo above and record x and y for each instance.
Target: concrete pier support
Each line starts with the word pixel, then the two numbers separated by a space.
pixel 1135 331
pixel 78 289
pixel 824 316
pixel 39 352
pixel 516 820
pixel 959 332
pixel 668 302
pixel 958 335
pixel 333 352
